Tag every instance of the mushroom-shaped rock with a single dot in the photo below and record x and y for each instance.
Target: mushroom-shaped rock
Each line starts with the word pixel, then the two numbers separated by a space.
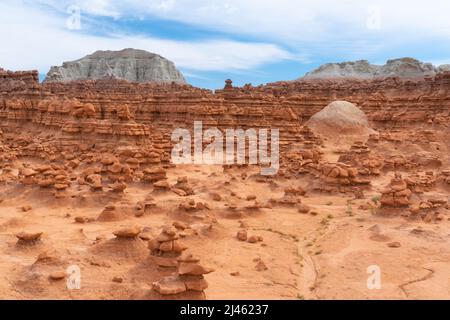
pixel 190 265
pixel 166 247
pixel 169 286
pixel 28 237
pixel 127 233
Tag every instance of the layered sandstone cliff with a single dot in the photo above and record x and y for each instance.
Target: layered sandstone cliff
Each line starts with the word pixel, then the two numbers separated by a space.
pixel 101 109
pixel 80 158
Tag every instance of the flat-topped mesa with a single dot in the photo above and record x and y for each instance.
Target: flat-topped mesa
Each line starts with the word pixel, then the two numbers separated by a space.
pixel 128 64
pixel 362 69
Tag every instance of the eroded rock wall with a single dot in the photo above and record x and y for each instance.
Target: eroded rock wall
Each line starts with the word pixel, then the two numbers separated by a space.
pixel 114 110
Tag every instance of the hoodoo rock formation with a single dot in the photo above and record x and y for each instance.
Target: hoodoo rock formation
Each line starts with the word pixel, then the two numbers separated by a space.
pixel 128 64
pixel 87 182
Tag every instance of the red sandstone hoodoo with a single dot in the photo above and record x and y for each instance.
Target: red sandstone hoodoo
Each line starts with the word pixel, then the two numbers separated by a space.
pixel 85 171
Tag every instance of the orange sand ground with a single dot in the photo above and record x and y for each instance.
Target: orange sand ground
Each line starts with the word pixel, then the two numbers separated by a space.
pixel 323 256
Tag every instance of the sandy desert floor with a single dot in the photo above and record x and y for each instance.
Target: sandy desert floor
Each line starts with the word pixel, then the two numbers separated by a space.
pixel 324 254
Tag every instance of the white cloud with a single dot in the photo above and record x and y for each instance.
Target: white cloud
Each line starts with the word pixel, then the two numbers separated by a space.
pixel 319 30
pixel 290 21
pixel 310 29
pixel 99 7
pixel 35 39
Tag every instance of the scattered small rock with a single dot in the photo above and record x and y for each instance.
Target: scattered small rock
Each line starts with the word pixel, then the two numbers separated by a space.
pixel 255 239
pixel 395 244
pixel 242 235
pixel 26 208
pixel 57 275
pixel 261 266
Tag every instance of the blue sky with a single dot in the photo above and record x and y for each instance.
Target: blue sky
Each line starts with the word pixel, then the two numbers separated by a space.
pixel 249 41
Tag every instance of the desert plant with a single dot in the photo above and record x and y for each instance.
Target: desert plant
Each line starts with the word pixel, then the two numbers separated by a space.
pixel 375 199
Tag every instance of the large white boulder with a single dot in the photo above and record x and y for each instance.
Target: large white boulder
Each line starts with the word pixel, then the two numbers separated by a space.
pixel 341 120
